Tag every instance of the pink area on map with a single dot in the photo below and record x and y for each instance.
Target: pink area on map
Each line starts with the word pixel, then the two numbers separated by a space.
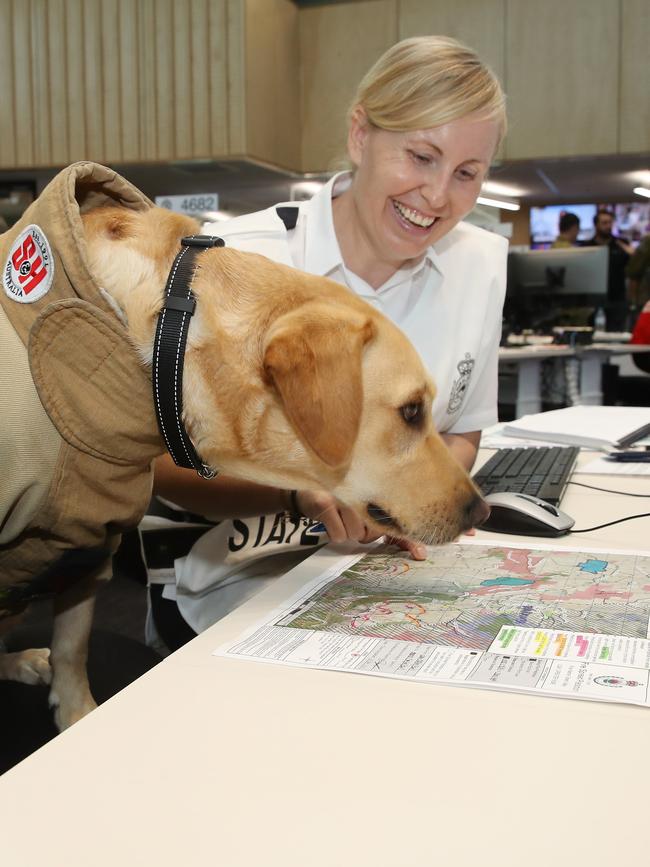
pixel 520 562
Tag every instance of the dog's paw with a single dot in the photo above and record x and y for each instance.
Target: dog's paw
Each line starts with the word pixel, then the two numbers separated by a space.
pixel 66 713
pixel 27 666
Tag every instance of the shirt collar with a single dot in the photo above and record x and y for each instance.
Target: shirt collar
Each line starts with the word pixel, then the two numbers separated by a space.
pixel 322 251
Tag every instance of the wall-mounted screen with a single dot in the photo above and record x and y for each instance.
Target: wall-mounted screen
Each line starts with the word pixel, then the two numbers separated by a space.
pixel 631 221
pixel 544 222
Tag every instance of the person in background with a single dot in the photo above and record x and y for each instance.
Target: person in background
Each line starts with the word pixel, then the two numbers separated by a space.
pixel 569 226
pixel 620 251
pixel 638 274
pixel 423 128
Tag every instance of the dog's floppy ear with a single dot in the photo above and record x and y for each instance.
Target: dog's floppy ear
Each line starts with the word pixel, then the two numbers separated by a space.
pixel 313 358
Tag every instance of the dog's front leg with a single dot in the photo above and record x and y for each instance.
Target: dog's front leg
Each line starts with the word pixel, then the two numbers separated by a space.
pixel 73 613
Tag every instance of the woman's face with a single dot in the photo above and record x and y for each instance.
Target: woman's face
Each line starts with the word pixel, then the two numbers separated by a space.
pixel 411 188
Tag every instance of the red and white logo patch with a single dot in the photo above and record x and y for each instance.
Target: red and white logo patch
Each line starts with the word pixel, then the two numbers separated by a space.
pixel 29 269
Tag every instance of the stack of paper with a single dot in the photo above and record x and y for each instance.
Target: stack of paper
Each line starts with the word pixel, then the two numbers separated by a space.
pixel 591 427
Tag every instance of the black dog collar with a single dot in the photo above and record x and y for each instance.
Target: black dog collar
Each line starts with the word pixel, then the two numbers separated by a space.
pixel 169 353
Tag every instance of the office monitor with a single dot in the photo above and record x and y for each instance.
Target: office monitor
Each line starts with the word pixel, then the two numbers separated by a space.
pixel 544 285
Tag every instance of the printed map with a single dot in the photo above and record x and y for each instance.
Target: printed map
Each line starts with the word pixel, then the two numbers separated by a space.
pixel 463 594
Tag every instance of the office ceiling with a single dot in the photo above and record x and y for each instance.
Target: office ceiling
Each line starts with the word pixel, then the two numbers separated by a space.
pixel 571 180
pixel 245 186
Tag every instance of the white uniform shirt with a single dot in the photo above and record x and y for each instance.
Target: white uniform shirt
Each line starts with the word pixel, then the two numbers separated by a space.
pixel 449 305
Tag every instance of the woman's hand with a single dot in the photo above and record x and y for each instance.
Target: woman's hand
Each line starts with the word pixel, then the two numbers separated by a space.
pixel 344 524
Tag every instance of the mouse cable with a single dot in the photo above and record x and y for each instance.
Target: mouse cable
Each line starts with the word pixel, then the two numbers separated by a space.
pixel 606 490
pixel 609 523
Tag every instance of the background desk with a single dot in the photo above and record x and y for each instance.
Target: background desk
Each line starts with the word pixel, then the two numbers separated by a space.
pixel 529 363
pixel 207 761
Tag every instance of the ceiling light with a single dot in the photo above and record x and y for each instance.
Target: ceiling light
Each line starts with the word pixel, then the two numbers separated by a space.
pixel 498 203
pixel 494 188
pixel 642 191
pixel 217 216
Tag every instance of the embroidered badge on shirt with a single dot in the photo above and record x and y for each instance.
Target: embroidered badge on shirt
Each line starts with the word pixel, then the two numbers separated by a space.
pixel 459 386
pixel 29 269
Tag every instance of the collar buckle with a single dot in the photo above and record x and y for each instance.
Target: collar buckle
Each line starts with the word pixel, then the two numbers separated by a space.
pixel 203 241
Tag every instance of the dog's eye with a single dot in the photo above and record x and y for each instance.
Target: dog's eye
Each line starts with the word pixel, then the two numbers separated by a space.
pixel 411 413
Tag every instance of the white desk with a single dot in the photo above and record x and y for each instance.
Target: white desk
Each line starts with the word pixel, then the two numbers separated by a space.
pixel 207 761
pixel 529 364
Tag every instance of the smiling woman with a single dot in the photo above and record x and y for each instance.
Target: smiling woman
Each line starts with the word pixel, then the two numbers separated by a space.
pixel 422 130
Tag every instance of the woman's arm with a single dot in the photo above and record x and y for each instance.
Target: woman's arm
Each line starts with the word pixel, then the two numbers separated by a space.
pixel 464 446
pixel 218 498
pixel 226 497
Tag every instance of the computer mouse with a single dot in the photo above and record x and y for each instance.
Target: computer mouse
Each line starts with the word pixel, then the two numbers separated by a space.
pixel 523 515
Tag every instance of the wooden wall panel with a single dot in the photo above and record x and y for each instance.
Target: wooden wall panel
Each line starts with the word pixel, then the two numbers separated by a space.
pixel 143 80
pixel 164 63
pixel 75 81
pixel 634 115
pixel 182 105
pixel 480 24
pixel 40 97
pixel 114 80
pixel 109 98
pixel 24 113
pixel 562 77
pixel 221 53
pixel 236 90
pixel 147 79
pixel 129 104
pixel 7 126
pixel 200 76
pixel 338 45
pixel 272 82
pixel 93 78
pixel 55 84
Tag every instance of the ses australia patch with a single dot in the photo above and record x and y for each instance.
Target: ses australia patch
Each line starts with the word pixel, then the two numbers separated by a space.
pixel 29 269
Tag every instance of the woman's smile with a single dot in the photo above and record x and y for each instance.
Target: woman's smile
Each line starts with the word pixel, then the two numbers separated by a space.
pixel 411 218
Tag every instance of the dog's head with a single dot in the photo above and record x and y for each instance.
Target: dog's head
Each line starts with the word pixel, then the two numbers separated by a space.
pixel 333 395
pixel 292 380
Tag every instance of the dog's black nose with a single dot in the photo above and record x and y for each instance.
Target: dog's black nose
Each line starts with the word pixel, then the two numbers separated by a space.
pixel 477 512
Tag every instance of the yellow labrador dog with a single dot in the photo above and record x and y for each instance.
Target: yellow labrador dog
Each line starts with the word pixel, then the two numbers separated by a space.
pixel 289 380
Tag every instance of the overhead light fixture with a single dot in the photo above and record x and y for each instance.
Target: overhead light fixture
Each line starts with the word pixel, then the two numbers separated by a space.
pixel 494 188
pixel 217 216
pixel 642 191
pixel 498 203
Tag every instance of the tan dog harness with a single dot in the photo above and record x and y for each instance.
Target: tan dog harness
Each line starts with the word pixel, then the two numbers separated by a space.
pixel 79 432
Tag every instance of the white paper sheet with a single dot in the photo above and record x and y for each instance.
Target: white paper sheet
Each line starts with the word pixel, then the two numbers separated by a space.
pixel 494 438
pixel 566 622
pixel 601 466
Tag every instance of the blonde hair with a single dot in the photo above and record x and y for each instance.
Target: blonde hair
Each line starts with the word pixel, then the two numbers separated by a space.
pixel 427 81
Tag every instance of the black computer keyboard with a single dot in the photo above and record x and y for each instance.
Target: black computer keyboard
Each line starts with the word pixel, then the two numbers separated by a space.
pixel 542 472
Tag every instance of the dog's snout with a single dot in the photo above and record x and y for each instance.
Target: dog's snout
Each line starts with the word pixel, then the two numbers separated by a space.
pixel 477 512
